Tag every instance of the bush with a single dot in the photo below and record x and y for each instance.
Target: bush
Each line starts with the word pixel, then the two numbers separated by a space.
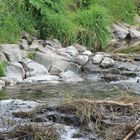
pixel 83 21
pixel 13 19
pixel 94 23
pixel 120 10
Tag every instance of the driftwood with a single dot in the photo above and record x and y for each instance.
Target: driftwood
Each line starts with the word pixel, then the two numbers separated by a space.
pixel 133 132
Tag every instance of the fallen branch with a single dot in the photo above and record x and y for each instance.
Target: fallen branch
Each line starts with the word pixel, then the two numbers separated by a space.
pixel 133 132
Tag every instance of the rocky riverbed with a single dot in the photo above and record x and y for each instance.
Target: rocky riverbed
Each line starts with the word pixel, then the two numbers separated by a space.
pixel 43 61
pixel 45 85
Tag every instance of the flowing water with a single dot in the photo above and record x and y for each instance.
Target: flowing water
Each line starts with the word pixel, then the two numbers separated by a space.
pixel 55 94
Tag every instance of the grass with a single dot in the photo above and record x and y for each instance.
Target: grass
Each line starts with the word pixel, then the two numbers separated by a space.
pixel 82 21
pixel 94 23
pixel 135 49
pixel 32 55
pixel 2 69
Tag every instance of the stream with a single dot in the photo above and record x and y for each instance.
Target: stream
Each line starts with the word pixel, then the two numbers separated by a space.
pixel 26 97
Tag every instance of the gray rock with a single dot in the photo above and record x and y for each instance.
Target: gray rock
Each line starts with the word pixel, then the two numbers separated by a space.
pixel 137 19
pixel 27 36
pixel 2 122
pixel 80 48
pixel 34 45
pixel 71 50
pixel 97 58
pixel 134 34
pixel 25 54
pixel 81 59
pixel 74 67
pixel 55 70
pixel 120 31
pixel 12 52
pixel 24 44
pixel 8 81
pixel 2 84
pixel 127 66
pixel 88 53
pixel 2 57
pixel 107 62
pixel 45 49
pixel 33 68
pixel 55 44
pixel 42 79
pixel 65 55
pixel 15 71
pixel 51 58
pixel 15 105
pixel 70 76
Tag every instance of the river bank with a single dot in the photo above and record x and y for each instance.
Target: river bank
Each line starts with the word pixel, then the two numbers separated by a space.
pixel 45 86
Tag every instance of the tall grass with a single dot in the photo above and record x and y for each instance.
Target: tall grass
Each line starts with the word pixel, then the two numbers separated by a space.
pixel 94 23
pixel 13 19
pixel 82 21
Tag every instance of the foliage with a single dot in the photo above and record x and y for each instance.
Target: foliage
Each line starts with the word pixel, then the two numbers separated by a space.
pixel 2 69
pixel 123 10
pixel 32 55
pixel 82 21
pixel 13 19
pixel 94 23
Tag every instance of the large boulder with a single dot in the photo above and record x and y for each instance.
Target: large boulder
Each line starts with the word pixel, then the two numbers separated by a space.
pixel 70 76
pixel 33 68
pixel 51 58
pixel 120 31
pixel 15 71
pixel 42 79
pixel 12 52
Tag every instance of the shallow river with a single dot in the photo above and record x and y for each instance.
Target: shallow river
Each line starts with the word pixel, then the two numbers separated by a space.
pixel 55 94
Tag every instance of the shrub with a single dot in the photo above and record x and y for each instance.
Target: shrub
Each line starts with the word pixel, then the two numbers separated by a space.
pixel 84 21
pixel 120 10
pixel 13 19
pixel 94 23
pixel 32 55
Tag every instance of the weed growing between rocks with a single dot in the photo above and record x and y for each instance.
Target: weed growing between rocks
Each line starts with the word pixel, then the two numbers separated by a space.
pixel 2 69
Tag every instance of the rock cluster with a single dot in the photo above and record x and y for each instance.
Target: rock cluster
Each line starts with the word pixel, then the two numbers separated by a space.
pixel 39 61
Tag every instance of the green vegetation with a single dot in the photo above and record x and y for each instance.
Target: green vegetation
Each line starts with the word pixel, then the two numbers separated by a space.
pixel 128 50
pixel 82 21
pixel 2 69
pixel 32 55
